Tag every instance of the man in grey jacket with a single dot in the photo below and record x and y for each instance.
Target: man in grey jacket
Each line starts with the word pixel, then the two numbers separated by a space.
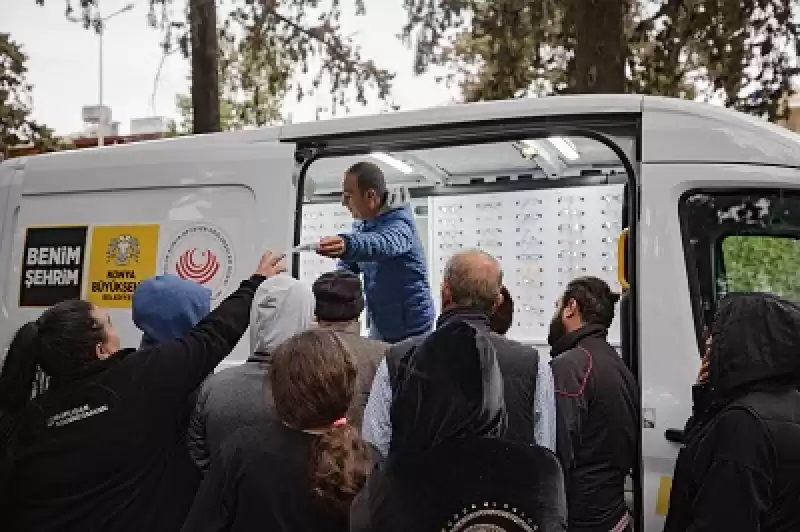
pixel 338 303
pixel 240 396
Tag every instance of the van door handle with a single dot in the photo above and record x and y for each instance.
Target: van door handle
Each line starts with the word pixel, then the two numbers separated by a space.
pixel 674 435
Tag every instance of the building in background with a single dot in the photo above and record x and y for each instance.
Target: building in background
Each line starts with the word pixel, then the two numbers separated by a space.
pixel 97 119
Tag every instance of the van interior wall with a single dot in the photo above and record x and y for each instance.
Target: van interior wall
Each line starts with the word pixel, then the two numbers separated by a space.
pixel 542 237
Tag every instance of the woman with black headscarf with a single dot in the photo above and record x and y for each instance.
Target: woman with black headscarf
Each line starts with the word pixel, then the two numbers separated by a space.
pixel 447 467
pixel 740 466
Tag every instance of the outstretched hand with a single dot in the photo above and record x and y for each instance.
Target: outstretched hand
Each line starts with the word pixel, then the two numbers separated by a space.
pixel 332 247
pixel 270 265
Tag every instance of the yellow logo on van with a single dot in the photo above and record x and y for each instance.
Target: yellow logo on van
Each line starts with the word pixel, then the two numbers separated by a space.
pixel 121 257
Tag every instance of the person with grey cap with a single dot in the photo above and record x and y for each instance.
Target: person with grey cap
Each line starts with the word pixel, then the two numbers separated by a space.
pixel 338 304
pixel 241 396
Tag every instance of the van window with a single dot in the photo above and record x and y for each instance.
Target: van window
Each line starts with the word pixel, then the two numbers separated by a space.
pixel 740 240
pixel 755 263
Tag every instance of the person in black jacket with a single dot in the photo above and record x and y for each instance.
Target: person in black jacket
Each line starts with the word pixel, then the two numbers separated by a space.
pixel 298 473
pixel 740 466
pixel 597 400
pixel 449 468
pixel 103 447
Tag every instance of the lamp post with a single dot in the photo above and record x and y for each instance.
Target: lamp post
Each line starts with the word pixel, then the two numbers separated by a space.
pixel 101 29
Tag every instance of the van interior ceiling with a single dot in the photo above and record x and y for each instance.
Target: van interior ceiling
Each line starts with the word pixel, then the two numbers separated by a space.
pixel 549 209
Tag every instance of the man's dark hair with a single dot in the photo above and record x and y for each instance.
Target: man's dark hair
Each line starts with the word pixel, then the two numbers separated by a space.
pixel 503 316
pixel 594 298
pixel 369 176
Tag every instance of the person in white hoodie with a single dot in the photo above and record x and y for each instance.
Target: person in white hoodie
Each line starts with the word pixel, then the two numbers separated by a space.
pixel 240 396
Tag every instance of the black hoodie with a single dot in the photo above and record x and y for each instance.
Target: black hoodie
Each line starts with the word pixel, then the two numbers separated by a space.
pixel 740 466
pixel 447 468
pixel 107 452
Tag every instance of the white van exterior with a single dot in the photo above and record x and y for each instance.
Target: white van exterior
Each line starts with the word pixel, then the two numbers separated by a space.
pixel 231 195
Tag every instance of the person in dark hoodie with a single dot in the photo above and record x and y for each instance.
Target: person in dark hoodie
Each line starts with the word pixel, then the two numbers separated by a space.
pixel 241 396
pixel 449 468
pixel 96 450
pixel 386 248
pixel 740 466
pixel 164 307
pixel 597 402
pixel 299 472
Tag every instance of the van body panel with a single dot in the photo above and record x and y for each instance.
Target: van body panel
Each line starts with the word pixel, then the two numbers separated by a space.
pixel 242 193
pixel 683 131
pixel 7 173
pixel 669 353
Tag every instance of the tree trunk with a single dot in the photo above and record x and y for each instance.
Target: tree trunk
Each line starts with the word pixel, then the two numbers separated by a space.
pixel 205 76
pixel 600 48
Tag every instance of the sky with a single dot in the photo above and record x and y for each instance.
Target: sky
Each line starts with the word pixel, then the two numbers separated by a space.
pixel 63 64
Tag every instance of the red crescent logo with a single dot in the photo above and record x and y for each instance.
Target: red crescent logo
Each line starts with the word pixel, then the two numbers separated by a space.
pixel 199 272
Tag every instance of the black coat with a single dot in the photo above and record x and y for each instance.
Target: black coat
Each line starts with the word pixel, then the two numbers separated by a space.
pixel 260 480
pixel 461 484
pixel 597 399
pixel 107 452
pixel 740 466
pixel 449 467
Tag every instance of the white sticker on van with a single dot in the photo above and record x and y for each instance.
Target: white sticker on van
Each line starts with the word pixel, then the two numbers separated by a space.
pixel 202 253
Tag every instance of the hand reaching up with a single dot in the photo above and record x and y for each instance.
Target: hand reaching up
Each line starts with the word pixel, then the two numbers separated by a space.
pixel 270 265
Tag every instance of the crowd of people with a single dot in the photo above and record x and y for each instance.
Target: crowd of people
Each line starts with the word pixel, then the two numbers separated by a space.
pixel 431 423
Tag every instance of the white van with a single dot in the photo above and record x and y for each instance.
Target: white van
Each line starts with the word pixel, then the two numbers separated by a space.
pixel 548 185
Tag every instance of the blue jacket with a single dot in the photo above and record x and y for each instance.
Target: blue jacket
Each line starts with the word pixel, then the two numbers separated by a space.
pixel 165 307
pixel 388 251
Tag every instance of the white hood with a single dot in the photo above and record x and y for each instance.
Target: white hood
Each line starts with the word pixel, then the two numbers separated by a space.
pixel 282 307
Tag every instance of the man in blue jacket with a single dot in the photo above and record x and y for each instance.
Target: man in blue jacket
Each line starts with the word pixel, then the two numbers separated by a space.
pixel 386 248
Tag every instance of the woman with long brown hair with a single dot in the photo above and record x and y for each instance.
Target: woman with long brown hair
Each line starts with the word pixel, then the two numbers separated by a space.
pixel 299 473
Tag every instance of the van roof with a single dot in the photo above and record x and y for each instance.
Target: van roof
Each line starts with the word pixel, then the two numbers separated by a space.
pixel 673 130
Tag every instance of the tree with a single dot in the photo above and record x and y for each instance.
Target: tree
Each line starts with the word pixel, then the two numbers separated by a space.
pixel 742 53
pixel 16 126
pixel 204 79
pixel 308 30
pixel 252 85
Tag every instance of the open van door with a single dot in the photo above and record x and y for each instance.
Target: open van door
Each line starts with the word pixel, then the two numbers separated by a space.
pixel 609 121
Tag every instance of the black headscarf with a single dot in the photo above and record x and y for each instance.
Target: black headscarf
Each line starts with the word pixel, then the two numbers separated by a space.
pixel 755 342
pixel 451 388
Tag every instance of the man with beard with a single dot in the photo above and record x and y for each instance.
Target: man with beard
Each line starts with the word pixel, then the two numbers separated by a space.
pixel 597 402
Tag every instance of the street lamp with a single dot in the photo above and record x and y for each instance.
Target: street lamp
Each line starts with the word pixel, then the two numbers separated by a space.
pixel 100 27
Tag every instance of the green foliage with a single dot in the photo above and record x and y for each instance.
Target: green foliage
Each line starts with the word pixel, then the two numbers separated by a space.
pixel 253 83
pixel 16 126
pixel 742 53
pixel 762 264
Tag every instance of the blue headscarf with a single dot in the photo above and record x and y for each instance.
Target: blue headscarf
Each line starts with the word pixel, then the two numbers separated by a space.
pixel 165 307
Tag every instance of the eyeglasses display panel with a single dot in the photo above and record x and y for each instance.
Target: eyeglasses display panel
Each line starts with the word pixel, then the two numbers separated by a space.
pixel 543 238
